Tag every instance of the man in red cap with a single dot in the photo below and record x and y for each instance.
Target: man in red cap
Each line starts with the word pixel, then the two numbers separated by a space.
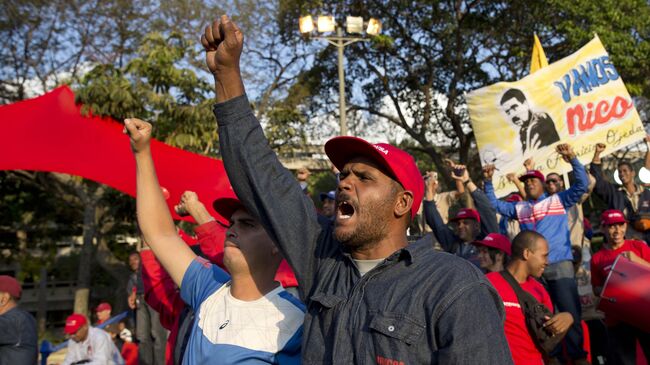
pixel 468 223
pixel 372 298
pixel 18 336
pixel 493 252
pixel 89 344
pixel 548 215
pixel 622 336
pixel 103 312
pixel 529 260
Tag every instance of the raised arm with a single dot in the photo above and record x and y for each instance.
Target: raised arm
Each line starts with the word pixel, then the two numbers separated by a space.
pixel 574 194
pixel 484 208
pixel 154 217
pixel 604 189
pixel 506 209
pixel 210 233
pixel 443 233
pixel 264 186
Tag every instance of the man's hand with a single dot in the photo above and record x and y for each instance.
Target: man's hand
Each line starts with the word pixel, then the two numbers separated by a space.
pixel 430 185
pixel 511 177
pixel 488 172
pixel 600 148
pixel 139 133
pixel 559 323
pixel 529 164
pixel 223 42
pixel 566 151
pixel 463 176
pixel 132 301
pixel 190 204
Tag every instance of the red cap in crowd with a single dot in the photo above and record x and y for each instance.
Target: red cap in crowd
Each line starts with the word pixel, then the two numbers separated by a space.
pixel 73 323
pixel 495 240
pixel 226 206
pixel 532 173
pixel 103 307
pixel 467 213
pixel 9 284
pixel 612 216
pixel 399 163
pixel 514 197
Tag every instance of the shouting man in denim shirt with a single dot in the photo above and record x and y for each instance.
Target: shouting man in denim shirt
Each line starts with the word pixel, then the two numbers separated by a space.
pixel 371 297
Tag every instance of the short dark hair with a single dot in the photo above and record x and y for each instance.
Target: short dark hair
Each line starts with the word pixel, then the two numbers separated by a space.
pixel 524 240
pixel 552 173
pixel 513 93
pixel 625 163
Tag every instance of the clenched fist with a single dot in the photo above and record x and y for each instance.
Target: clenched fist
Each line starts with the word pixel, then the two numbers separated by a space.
pixel 139 133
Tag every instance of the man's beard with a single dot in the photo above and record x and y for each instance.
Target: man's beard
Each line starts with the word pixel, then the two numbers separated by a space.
pixel 372 226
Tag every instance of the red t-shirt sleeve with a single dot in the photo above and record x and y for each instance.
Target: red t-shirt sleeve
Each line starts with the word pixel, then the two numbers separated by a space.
pixel 211 237
pixel 597 275
pixel 160 292
pixel 643 251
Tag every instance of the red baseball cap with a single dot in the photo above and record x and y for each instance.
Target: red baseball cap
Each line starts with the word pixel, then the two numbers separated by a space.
pixel 514 197
pixel 467 213
pixel 399 163
pixel 495 240
pixel 532 173
pixel 226 207
pixel 612 216
pixel 9 284
pixel 103 307
pixel 73 323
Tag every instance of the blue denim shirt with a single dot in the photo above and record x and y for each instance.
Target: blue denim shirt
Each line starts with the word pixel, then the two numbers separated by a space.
pixel 417 307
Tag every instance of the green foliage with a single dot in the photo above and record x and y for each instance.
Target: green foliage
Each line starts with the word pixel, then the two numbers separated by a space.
pixel 156 85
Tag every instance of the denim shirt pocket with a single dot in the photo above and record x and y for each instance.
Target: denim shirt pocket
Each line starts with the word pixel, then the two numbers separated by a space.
pixel 322 301
pixel 397 326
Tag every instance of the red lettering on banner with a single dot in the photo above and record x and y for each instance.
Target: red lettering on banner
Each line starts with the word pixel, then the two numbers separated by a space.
pixel 385 361
pixel 586 118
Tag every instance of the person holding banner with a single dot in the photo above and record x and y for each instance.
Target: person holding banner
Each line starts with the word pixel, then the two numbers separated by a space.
pixel 547 215
pixel 631 198
pixel 623 336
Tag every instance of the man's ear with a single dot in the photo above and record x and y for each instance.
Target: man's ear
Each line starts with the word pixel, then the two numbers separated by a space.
pixel 404 203
pixel 526 254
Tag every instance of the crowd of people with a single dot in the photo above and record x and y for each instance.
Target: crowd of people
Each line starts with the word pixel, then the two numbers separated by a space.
pixel 271 279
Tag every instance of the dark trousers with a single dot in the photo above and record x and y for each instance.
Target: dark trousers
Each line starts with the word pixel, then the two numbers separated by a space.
pixel 622 344
pixel 561 285
pixel 151 335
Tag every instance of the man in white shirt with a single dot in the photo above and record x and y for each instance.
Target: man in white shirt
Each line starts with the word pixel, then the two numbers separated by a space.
pixel 89 345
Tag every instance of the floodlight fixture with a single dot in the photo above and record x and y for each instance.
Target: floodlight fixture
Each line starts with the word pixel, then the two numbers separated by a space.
pixel 306 24
pixel 326 24
pixel 374 26
pixel 354 24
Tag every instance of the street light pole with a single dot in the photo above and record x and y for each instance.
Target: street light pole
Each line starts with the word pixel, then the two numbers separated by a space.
pixel 354 25
pixel 342 107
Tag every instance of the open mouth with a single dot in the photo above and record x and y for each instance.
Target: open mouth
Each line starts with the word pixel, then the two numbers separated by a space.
pixel 345 210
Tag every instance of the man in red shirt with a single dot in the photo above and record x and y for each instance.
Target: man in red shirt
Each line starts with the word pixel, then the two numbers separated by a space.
pixel 528 261
pixel 622 336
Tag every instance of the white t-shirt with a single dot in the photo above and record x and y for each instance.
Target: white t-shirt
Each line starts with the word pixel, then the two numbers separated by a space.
pixel 98 347
pixel 227 330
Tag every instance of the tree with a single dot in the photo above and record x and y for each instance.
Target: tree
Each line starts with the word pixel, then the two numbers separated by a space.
pixel 415 75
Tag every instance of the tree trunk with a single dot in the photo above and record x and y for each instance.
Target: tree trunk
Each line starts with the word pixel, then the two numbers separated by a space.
pixel 82 295
pixel 41 314
pixel 118 271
